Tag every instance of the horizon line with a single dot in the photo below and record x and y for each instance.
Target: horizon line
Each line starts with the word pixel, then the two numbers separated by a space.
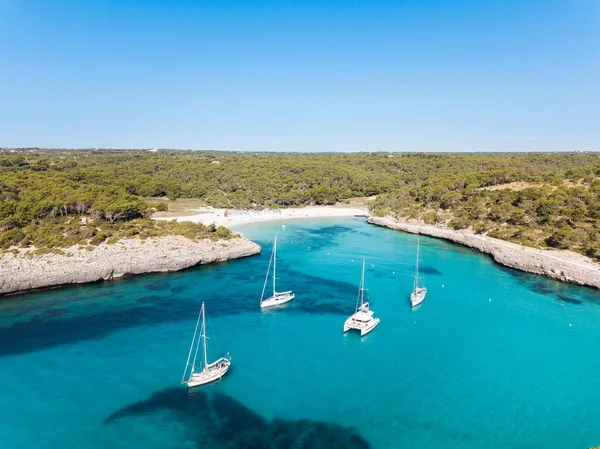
pixel 155 150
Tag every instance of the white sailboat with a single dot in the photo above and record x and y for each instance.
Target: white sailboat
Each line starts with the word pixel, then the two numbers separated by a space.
pixel 419 291
pixel 210 371
pixel 362 319
pixel 277 298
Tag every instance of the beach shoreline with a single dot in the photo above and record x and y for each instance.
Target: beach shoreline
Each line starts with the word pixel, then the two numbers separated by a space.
pixel 232 217
pixel 26 271
pixel 562 265
pixel 565 266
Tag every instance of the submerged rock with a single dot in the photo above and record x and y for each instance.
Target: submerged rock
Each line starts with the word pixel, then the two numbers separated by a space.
pixel 27 271
pixel 216 420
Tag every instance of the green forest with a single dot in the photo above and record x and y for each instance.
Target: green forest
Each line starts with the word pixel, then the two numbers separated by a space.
pixel 537 199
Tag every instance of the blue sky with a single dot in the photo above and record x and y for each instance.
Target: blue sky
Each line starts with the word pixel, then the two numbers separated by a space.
pixel 329 75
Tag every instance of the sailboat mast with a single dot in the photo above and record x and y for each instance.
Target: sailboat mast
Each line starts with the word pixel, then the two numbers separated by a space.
pixel 204 336
pixel 361 290
pixel 417 262
pixel 192 346
pixel 199 338
pixel 362 284
pixel 266 277
pixel 274 264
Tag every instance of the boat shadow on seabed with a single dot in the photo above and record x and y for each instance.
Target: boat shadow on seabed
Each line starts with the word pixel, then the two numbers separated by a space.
pixel 214 419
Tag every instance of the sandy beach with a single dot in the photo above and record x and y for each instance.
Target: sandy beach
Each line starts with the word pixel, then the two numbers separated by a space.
pixel 557 264
pixel 26 271
pixel 231 217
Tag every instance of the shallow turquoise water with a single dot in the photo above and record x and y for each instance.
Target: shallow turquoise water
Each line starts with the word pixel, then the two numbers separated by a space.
pixel 488 360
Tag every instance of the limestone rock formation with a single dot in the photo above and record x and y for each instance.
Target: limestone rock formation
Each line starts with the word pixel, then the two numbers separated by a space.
pixel 562 265
pixel 27 270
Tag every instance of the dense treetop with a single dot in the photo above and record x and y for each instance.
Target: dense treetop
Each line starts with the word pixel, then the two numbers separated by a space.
pixel 558 205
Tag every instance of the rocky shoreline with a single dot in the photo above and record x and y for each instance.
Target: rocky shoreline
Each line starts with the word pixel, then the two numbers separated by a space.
pixel 565 266
pixel 26 271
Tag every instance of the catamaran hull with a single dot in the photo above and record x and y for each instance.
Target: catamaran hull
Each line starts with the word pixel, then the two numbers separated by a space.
pixel 417 298
pixel 364 329
pixel 272 302
pixel 211 375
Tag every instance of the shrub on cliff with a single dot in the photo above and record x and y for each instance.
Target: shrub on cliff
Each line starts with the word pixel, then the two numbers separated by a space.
pixel 222 232
pixel 560 238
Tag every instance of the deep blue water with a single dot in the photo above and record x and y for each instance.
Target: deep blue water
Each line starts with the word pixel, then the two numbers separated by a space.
pixel 493 358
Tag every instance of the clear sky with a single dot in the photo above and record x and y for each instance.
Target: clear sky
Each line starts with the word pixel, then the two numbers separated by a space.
pixel 328 75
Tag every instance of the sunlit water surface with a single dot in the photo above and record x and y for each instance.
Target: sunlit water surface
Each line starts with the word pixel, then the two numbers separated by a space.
pixel 493 358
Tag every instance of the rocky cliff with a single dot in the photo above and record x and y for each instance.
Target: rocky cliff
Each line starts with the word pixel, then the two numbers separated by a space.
pixel 562 265
pixel 26 271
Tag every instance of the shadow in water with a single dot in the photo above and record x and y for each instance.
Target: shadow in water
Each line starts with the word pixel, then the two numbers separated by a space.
pixel 157 286
pixel 552 288
pixel 38 333
pixel 320 238
pixel 328 231
pixel 57 328
pixel 569 300
pixel 431 270
pixel 54 312
pixel 319 295
pixel 60 326
pixel 213 419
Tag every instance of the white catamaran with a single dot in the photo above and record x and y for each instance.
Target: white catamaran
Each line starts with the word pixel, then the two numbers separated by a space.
pixel 277 298
pixel 210 371
pixel 419 291
pixel 362 319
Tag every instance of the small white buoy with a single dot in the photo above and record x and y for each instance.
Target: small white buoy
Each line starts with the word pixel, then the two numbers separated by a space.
pixel 570 325
pixel 490 299
pixel 393 272
pixel 282 226
pixel 328 254
pixel 372 266
pixel 352 260
pixel 442 285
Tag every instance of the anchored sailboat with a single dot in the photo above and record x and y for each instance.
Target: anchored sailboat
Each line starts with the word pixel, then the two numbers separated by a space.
pixel 210 371
pixel 362 319
pixel 277 298
pixel 419 291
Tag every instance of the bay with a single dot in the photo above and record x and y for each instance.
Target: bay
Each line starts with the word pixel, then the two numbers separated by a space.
pixel 493 357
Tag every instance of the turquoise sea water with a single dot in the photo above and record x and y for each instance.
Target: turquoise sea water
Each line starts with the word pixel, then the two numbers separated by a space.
pixel 493 358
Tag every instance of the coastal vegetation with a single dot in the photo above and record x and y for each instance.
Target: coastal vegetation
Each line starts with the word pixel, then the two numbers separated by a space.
pixel 48 204
pixel 54 198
